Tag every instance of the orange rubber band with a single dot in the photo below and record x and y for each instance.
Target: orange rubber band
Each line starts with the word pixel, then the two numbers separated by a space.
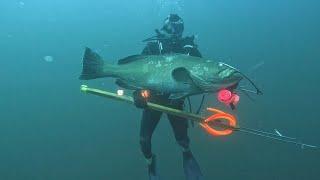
pixel 220 115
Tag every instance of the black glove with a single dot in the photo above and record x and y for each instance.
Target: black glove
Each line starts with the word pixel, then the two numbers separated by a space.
pixel 139 101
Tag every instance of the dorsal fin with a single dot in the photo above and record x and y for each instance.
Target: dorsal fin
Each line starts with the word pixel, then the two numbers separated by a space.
pixel 130 59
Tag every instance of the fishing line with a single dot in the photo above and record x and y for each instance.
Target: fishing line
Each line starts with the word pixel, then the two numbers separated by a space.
pixel 201 104
pixel 190 109
pixel 199 108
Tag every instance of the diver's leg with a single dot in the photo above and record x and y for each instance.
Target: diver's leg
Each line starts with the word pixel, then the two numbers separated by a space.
pixel 150 119
pixel 180 128
pixel 179 125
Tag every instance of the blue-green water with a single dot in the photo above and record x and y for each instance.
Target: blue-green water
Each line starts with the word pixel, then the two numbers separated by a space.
pixel 49 130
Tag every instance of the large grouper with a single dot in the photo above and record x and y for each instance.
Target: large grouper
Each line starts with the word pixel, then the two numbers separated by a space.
pixel 176 74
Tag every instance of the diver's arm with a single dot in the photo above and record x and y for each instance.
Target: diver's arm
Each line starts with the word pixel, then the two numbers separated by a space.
pixel 194 52
pixel 152 48
pixel 190 47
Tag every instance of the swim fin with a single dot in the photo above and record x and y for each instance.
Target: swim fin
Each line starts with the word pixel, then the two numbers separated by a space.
pixel 152 168
pixel 191 167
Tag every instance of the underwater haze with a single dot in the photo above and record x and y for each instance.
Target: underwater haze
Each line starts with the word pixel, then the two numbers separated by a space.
pixel 50 130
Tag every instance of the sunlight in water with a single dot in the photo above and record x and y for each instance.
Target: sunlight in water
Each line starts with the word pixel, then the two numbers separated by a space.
pixel 171 5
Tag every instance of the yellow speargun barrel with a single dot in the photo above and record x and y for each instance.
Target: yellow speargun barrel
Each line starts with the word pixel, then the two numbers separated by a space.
pixel 128 99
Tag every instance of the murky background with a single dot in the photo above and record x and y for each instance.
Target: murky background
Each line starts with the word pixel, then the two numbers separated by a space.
pixel 50 130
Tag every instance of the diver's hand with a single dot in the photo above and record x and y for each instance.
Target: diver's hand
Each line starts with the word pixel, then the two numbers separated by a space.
pixel 139 100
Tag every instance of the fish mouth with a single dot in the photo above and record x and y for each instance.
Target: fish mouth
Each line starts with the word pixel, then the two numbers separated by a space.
pixel 233 78
pixel 236 76
pixel 216 84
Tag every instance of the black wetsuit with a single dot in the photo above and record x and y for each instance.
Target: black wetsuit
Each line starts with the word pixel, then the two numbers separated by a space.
pixel 150 118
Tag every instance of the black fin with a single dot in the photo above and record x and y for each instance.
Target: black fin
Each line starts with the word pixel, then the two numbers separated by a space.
pixel 92 65
pixel 181 74
pixel 131 59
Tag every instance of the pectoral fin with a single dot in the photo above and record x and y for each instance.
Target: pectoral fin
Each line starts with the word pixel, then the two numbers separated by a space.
pixel 182 75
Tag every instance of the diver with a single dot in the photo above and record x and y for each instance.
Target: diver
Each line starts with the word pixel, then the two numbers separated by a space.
pixel 167 40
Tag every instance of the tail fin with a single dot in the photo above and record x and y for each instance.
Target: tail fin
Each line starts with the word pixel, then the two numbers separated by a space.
pixel 93 66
